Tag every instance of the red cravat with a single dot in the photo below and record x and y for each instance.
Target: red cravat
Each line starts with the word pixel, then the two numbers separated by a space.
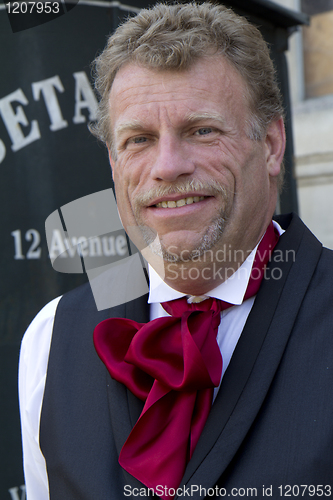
pixel 173 364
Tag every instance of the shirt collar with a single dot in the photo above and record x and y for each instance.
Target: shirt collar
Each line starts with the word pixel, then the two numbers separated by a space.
pixel 232 290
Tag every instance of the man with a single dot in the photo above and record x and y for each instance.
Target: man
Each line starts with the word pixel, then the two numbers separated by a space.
pixel 192 118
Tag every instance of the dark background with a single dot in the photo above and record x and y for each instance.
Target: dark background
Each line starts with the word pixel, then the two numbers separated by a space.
pixel 58 168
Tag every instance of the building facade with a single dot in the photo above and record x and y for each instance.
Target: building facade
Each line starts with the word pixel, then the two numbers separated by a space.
pixel 310 61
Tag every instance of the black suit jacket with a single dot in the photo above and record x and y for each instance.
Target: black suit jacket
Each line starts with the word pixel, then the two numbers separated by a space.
pixel 271 424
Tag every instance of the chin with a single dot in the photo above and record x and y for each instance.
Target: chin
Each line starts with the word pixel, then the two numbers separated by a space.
pixel 177 249
pixel 169 253
pixel 181 253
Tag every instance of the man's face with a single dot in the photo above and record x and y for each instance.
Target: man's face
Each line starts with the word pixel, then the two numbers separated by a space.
pixel 184 167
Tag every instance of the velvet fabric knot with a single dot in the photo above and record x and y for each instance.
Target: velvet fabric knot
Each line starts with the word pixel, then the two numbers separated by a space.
pixel 173 364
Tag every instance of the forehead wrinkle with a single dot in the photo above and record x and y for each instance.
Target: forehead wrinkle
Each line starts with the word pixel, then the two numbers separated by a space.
pixel 155 94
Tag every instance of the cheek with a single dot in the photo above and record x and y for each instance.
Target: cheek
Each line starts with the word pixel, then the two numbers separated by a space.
pixel 129 171
pixel 122 199
pixel 251 163
pixel 222 165
pixel 126 181
pixel 118 185
pixel 121 178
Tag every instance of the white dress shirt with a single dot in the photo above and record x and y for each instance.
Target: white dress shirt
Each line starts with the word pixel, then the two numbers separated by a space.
pixel 36 346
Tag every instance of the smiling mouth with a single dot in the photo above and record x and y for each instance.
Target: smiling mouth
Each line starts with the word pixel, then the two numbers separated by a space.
pixel 180 203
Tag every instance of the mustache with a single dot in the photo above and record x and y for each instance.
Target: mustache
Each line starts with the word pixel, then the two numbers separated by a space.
pixel 210 187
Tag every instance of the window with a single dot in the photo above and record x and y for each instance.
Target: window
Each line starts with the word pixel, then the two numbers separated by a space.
pixel 318 48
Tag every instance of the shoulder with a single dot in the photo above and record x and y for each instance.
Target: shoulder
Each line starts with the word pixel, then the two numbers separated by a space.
pixel 34 355
pixel 298 234
pixel 298 239
pixel 76 313
pixel 37 338
pixel 36 342
pixel 312 265
pixel 79 298
pixel 323 277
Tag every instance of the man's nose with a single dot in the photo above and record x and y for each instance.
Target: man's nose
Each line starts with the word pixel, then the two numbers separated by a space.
pixel 172 160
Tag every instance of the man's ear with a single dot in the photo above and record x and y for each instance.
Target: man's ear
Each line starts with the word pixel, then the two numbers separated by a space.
pixel 275 144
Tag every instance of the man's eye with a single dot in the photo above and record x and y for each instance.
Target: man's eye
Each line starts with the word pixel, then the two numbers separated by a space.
pixel 204 131
pixel 137 140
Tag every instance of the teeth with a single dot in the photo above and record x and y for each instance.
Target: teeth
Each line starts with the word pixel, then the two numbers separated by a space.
pixel 180 203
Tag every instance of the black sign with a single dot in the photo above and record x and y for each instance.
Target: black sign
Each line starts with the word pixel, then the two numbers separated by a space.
pixel 48 158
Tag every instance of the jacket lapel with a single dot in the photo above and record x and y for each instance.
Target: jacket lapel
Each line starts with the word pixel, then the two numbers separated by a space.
pixel 124 407
pixel 138 310
pixel 257 355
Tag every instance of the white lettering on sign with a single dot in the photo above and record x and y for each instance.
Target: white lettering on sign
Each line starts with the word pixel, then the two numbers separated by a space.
pixel 98 246
pixel 33 252
pixel 2 151
pixel 15 119
pixel 83 88
pixel 87 247
pixel 47 87
pixel 15 493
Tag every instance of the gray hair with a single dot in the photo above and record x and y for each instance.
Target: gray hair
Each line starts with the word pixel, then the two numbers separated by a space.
pixel 173 37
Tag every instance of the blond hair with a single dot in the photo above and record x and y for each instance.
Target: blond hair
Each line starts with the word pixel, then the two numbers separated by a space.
pixel 173 37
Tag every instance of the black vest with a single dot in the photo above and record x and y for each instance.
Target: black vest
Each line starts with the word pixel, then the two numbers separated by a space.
pixel 271 424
